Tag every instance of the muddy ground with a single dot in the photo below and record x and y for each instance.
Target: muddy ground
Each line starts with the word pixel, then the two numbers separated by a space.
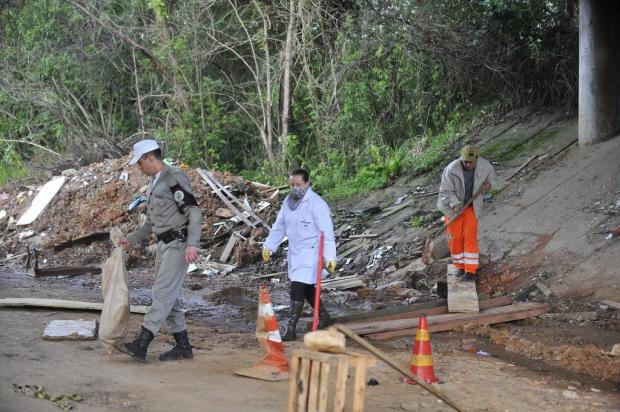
pixel 221 319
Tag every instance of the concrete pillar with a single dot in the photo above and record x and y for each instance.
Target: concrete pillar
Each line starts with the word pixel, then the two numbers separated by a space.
pixel 599 70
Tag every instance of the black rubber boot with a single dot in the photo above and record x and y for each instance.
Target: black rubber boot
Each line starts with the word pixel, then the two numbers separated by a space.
pixel 183 350
pixel 459 273
pixel 297 306
pixel 137 348
pixel 324 319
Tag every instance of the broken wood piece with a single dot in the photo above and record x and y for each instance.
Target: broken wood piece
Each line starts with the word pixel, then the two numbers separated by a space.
pixel 381 330
pixel 224 213
pixel 352 250
pixel 61 304
pixel 270 275
pixel 362 236
pixel 462 295
pixel 71 330
pixel 82 240
pixel 14 257
pixel 523 166
pixel 42 200
pixel 415 266
pixel 232 241
pixel 611 303
pixel 347 282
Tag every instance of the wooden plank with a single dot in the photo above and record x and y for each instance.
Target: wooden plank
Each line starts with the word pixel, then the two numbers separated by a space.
pixel 71 330
pixel 324 386
pixel 462 295
pixel 359 387
pixel 61 304
pixel 292 392
pixel 612 303
pixel 363 236
pixel 442 323
pixel 413 311
pixel 398 208
pixel 356 282
pixel 232 241
pixel 313 392
pixel 302 385
pixel 352 250
pixel 42 200
pixel 341 384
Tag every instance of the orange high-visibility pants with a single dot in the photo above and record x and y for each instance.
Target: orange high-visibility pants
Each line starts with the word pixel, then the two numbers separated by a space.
pixel 463 241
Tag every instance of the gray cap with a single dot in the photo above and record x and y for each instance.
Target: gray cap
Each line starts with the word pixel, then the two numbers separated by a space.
pixel 142 147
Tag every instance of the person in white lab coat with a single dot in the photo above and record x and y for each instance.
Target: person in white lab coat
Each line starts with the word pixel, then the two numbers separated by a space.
pixel 302 218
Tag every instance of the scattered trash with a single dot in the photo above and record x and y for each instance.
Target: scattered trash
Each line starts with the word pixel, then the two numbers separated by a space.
pixel 595 390
pixel 373 382
pixel 488 198
pixel 4 196
pixel 26 234
pixel 124 176
pixel 483 353
pixel 400 199
pixel 192 268
pixel 469 345
pixel 71 330
pixel 2 214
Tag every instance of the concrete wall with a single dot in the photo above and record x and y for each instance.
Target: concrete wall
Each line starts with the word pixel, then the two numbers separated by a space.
pixel 599 70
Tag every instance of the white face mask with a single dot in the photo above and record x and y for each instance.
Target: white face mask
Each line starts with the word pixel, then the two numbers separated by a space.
pixel 298 192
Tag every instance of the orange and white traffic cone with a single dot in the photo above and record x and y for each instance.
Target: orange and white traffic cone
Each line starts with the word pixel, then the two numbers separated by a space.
pixel 274 366
pixel 422 356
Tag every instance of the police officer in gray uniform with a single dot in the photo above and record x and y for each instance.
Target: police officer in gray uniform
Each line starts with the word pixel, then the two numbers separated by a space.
pixel 174 217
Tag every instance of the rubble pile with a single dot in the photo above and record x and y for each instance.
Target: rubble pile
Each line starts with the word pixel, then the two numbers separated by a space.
pixel 98 197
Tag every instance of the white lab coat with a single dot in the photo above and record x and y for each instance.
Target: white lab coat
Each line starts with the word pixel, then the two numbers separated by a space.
pixel 303 227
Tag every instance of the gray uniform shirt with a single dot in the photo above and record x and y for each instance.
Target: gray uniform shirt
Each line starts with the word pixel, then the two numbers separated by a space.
pixel 162 211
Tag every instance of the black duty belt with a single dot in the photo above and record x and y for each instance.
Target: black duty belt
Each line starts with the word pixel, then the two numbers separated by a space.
pixel 172 234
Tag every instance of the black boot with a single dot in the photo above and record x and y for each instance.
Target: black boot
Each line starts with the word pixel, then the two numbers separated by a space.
pixel 183 350
pixel 297 306
pixel 137 348
pixel 324 319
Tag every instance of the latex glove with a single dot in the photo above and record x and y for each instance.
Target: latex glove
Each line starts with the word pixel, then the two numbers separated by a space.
pixel 331 266
pixel 266 254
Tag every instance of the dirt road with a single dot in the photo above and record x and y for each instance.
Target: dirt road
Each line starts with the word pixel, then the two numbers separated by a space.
pixel 208 384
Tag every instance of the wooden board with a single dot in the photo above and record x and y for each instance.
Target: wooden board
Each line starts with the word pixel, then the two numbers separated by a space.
pixel 347 282
pixel 71 330
pixel 61 304
pixel 462 295
pixel 41 200
pixel 232 241
pixel 439 323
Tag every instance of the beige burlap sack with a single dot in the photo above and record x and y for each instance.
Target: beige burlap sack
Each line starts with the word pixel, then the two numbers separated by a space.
pixel 115 313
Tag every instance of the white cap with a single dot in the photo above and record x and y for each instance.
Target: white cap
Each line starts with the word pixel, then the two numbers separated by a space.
pixel 142 147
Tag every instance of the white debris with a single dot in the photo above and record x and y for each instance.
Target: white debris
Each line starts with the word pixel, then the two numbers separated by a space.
pixel 26 234
pixel 570 394
pixel 2 214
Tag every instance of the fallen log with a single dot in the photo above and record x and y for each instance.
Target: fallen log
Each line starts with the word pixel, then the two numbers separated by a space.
pixel 381 330
pixel 61 304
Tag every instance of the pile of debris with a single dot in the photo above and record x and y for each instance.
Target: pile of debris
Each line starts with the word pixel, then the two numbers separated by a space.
pixel 72 214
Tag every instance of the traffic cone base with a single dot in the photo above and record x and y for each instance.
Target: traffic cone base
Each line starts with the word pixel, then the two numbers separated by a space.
pixel 274 366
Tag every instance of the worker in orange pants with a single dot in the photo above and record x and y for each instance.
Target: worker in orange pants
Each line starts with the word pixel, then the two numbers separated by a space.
pixel 460 181
pixel 463 241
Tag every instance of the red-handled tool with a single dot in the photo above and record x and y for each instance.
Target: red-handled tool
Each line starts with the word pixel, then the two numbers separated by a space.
pixel 317 292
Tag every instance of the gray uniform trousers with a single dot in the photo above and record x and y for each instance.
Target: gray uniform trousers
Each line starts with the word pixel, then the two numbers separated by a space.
pixel 170 269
